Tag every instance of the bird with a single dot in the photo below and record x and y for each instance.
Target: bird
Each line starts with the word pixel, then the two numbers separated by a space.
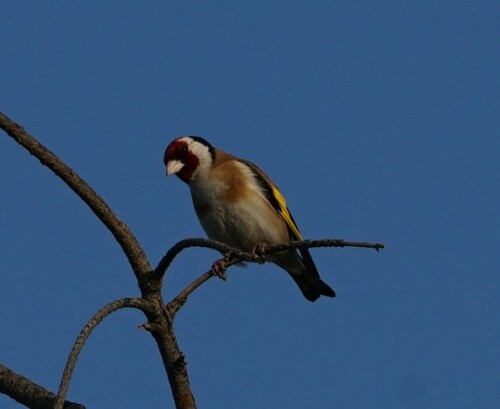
pixel 238 204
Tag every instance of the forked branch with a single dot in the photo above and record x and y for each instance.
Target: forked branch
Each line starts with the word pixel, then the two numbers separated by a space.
pixel 235 256
pixel 160 317
pixel 171 355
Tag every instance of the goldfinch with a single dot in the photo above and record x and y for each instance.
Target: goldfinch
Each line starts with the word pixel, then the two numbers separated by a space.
pixel 239 205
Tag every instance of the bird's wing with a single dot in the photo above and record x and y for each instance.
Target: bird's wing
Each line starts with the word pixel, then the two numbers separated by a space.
pixel 275 199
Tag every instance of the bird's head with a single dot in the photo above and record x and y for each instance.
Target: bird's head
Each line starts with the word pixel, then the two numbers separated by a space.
pixel 188 156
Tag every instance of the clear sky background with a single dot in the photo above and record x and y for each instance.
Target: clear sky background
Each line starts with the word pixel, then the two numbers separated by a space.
pixel 379 121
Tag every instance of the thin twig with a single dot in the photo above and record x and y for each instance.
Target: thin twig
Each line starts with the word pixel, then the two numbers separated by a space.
pixel 173 251
pixel 167 259
pixel 138 303
pixel 235 256
pixel 176 304
pixel 309 244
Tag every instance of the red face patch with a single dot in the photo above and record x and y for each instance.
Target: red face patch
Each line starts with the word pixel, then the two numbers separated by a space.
pixel 178 150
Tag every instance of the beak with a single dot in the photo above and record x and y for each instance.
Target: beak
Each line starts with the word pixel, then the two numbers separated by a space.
pixel 174 166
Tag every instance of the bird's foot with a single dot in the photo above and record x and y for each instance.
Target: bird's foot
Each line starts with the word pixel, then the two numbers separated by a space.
pixel 259 252
pixel 219 269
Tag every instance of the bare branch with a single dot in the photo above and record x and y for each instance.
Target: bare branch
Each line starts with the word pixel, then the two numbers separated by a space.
pixel 138 303
pixel 28 393
pixel 235 256
pixel 176 304
pixel 167 259
pixel 250 257
pixel 120 231
pixel 160 317
pixel 308 244
pixel 172 357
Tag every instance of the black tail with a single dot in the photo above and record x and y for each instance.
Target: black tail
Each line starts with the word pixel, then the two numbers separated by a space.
pixel 309 282
pixel 304 272
pixel 312 288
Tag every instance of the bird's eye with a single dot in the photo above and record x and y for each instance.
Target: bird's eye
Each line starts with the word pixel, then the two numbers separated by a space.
pixel 181 151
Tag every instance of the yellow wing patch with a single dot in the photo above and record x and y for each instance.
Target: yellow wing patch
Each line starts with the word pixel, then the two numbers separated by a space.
pixel 285 213
pixel 275 199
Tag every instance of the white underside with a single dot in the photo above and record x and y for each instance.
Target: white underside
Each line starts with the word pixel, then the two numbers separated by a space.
pixel 244 223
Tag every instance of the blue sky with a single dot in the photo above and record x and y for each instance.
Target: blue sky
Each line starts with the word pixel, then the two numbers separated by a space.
pixel 378 120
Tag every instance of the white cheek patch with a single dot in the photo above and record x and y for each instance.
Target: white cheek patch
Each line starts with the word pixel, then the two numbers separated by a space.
pixel 199 150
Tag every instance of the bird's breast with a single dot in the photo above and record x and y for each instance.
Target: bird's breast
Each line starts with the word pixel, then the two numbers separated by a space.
pixel 237 219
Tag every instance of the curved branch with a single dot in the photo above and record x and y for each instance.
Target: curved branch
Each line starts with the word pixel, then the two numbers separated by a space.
pixel 118 229
pixel 233 252
pixel 235 256
pixel 138 303
pixel 149 282
pixel 28 393
pixel 173 251
pixel 172 357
